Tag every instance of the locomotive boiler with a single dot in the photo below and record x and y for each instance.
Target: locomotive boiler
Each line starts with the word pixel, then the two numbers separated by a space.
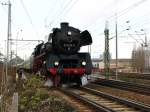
pixel 59 59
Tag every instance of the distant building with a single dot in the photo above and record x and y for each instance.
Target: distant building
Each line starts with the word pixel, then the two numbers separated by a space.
pixel 17 60
pixel 123 64
pixel 96 62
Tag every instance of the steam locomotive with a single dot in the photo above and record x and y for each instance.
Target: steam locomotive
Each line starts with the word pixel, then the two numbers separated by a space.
pixel 59 58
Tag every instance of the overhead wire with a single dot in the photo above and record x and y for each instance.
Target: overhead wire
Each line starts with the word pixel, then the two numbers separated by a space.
pixel 130 8
pixel 135 39
pixel 68 10
pixel 59 14
pixel 124 11
pixel 29 17
pixel 27 46
pixel 12 17
pixel 51 10
pixel 3 7
pixel 138 23
pixel 110 4
pixel 141 43
pixel 139 36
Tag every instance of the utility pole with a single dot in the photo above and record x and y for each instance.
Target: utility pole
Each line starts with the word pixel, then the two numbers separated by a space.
pixel 8 35
pixel 116 31
pixel 106 52
pixel 5 81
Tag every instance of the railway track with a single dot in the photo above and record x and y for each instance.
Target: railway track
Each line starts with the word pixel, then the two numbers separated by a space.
pixel 140 76
pixel 102 102
pixel 142 89
pixel 136 75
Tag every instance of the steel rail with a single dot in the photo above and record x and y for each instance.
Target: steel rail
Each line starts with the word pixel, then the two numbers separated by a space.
pixel 103 102
pixel 129 103
pixel 97 107
pixel 145 76
pixel 143 89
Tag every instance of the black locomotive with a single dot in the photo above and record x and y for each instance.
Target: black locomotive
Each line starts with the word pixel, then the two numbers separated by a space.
pixel 60 58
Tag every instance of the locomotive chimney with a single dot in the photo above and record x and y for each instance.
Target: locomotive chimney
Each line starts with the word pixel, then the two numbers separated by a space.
pixel 64 25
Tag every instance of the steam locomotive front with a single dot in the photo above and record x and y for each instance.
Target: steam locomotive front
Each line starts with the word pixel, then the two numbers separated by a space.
pixel 65 61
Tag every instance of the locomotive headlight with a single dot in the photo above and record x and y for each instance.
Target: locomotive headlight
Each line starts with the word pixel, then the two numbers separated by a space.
pixel 56 63
pixel 69 33
pixel 83 63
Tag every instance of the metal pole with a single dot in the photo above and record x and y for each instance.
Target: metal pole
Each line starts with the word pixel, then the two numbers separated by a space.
pixel 8 35
pixel 7 58
pixel 116 31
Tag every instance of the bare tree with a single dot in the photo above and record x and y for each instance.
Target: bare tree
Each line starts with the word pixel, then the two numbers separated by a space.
pixel 138 59
pixel 133 64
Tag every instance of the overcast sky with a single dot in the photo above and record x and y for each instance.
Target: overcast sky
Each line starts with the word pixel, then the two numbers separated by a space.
pixel 34 19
